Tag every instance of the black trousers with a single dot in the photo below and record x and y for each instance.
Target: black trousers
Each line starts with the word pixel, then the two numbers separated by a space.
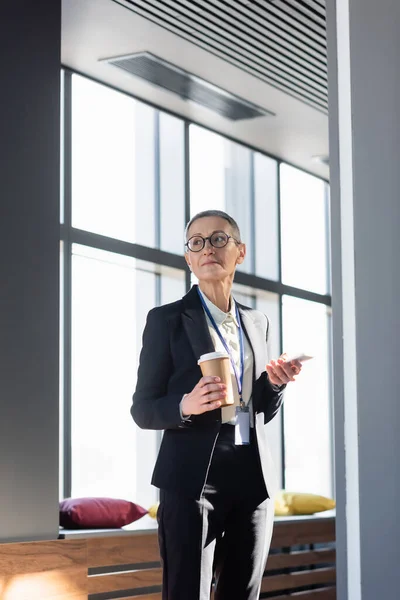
pixel 225 534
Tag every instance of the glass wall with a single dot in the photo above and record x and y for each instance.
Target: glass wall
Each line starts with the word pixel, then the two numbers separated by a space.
pixel 133 176
pixel 308 442
pixel 227 176
pixel 304 230
pixel 127 168
pixel 111 295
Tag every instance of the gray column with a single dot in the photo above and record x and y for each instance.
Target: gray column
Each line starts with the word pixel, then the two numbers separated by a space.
pixel 364 104
pixel 30 34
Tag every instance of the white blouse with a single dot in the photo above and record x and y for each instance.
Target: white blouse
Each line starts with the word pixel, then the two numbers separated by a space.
pixel 229 328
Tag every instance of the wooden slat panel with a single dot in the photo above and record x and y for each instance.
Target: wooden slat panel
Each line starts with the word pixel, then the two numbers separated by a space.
pixel 321 594
pixel 145 597
pixel 127 580
pixel 122 550
pixel 44 570
pixel 303 532
pixel 300 559
pixel 297 580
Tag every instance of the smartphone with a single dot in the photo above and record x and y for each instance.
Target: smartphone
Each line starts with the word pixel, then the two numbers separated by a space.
pixel 301 356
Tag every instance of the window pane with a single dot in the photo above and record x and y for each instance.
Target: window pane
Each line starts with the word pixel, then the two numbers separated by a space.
pixel 173 285
pixel 268 304
pixel 220 178
pixel 172 184
pixel 111 296
pixel 304 230
pixel 62 143
pixel 243 294
pixel 308 435
pixel 61 379
pixel 143 190
pixel 266 216
pixel 103 157
pixel 113 159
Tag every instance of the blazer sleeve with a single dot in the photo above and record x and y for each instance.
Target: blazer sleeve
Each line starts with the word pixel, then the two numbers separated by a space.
pixel 153 407
pixel 271 396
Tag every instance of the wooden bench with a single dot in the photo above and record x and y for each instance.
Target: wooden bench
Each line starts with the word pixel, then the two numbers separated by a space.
pixel 124 564
pixel 301 565
pixel 302 560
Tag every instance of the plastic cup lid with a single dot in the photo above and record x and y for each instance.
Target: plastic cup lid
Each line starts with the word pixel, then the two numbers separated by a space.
pixel 212 356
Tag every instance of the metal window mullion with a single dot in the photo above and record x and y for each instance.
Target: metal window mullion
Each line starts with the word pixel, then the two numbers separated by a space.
pixel 175 261
pixel 187 189
pixel 157 179
pixel 279 213
pixel 253 229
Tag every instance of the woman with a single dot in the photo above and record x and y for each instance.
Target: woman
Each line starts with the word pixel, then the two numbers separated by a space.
pixel 214 468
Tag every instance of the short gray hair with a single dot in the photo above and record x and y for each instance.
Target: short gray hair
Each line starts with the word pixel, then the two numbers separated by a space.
pixel 215 213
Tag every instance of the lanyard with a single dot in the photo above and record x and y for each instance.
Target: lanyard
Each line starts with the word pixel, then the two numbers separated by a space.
pixel 238 376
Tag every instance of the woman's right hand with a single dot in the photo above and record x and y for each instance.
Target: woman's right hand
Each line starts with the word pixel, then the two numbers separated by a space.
pixel 205 396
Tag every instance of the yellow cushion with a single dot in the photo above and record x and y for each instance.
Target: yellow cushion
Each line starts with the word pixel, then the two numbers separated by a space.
pixel 292 503
pixel 287 504
pixel 153 510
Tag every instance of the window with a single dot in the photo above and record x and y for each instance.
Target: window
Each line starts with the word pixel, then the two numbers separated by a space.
pixel 172 183
pixel 127 168
pixel 104 161
pixel 308 441
pixel 266 231
pixel 111 295
pixel 304 227
pixel 125 204
pixel 220 178
pixel 269 304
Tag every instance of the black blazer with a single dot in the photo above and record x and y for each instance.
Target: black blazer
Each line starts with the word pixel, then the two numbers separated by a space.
pixel 174 337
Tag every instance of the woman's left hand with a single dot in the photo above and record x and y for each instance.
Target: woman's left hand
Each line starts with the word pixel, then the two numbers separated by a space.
pixel 280 371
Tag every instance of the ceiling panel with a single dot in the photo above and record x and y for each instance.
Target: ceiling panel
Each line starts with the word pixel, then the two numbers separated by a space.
pixel 282 42
pixel 277 72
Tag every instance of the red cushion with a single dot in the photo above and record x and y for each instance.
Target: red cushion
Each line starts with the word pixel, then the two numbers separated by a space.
pixel 102 513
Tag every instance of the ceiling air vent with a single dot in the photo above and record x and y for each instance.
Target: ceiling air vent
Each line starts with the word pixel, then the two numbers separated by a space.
pixel 186 85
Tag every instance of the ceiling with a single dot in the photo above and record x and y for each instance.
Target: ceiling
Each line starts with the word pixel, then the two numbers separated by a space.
pixel 271 53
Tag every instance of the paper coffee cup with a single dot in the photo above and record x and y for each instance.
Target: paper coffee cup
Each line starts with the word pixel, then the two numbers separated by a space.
pixel 218 364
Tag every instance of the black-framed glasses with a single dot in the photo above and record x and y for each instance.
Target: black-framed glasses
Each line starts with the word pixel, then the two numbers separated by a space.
pixel 218 239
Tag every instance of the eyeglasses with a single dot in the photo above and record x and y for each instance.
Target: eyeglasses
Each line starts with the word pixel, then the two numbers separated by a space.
pixel 218 239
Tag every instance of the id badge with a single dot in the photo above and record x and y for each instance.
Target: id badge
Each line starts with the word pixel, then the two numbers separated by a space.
pixel 242 426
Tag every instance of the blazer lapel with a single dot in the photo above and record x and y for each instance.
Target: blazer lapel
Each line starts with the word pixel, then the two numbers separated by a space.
pixel 195 324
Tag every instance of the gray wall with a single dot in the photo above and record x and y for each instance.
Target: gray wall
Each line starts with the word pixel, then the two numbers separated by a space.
pixel 29 268
pixel 365 183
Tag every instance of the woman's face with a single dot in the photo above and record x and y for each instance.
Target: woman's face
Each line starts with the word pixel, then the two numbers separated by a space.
pixel 214 264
